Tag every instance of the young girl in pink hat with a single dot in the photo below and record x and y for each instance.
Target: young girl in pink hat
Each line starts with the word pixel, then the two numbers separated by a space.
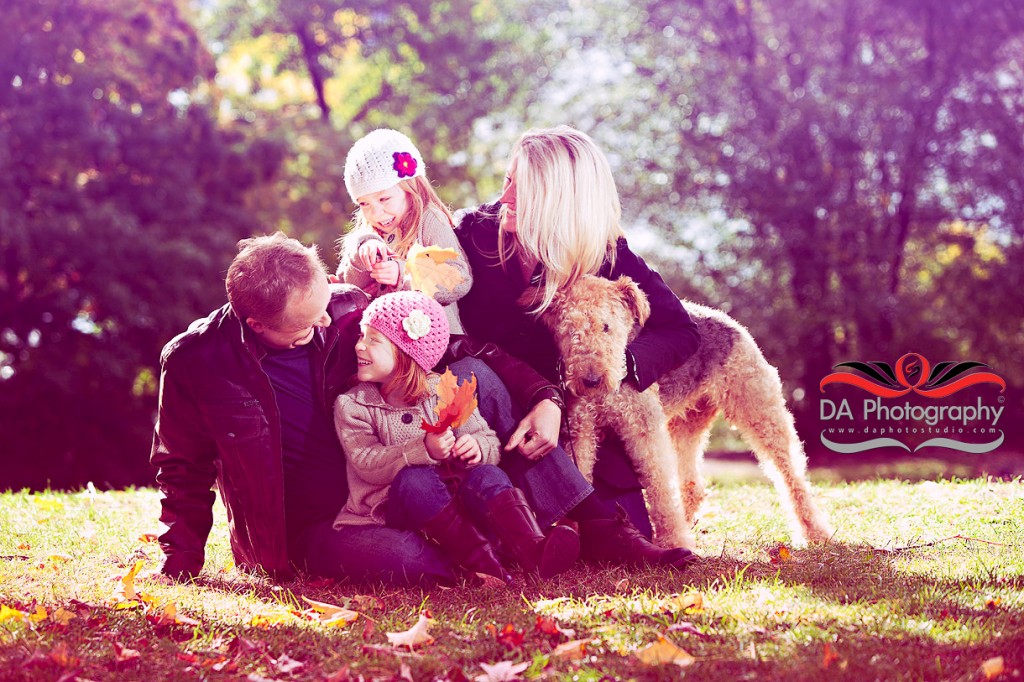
pixel 402 477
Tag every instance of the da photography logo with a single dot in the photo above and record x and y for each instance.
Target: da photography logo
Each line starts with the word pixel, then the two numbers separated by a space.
pixel 913 406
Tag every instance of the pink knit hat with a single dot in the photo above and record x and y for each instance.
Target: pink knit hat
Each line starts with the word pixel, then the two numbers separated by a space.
pixel 414 322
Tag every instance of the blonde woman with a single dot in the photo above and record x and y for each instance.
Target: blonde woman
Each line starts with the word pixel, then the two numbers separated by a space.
pixel 557 220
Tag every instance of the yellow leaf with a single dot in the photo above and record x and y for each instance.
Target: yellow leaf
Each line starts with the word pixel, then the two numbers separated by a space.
pixel 63 616
pixel 662 652
pixel 40 614
pixel 48 503
pixel 148 537
pixel 415 635
pixel 428 270
pixel 59 558
pixel 784 553
pixel 127 589
pixel 691 602
pixel 992 668
pixel 7 613
pixel 265 621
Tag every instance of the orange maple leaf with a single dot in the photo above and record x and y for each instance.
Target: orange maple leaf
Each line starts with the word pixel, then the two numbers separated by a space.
pixel 428 270
pixel 455 403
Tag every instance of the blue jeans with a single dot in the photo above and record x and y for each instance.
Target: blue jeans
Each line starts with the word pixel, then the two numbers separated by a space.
pixel 553 485
pixel 373 554
pixel 418 494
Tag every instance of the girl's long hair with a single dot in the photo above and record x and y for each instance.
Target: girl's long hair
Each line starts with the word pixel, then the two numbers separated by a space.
pixel 408 381
pixel 567 208
pixel 421 198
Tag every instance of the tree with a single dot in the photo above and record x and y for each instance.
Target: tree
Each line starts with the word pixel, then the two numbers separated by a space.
pixel 120 205
pixel 844 136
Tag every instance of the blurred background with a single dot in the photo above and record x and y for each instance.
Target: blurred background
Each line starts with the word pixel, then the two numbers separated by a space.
pixel 842 176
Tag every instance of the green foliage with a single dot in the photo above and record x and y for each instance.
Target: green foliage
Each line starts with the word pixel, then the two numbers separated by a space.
pixel 120 205
pixel 842 137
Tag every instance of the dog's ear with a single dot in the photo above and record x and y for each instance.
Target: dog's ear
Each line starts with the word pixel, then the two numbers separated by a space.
pixel 633 298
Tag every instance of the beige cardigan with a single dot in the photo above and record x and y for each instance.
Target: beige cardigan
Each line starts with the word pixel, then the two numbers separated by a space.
pixel 381 439
pixel 434 230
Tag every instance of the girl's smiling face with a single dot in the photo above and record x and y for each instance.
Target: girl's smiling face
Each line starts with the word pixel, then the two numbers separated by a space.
pixel 375 356
pixel 384 210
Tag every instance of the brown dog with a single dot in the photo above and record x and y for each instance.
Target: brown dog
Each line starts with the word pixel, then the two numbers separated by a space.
pixel 666 428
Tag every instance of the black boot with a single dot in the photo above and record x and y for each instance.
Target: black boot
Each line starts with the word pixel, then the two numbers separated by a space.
pixel 457 536
pixel 516 527
pixel 617 541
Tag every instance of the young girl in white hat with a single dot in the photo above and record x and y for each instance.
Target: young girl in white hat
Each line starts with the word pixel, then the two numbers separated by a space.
pixel 385 175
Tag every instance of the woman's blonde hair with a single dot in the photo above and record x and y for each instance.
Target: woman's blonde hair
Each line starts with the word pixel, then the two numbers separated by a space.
pixel 408 381
pixel 421 198
pixel 567 207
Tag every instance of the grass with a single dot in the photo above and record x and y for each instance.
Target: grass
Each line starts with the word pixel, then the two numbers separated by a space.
pixel 896 597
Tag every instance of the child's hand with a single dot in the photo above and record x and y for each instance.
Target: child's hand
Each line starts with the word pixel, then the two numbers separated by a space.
pixel 468 450
pixel 371 252
pixel 439 445
pixel 385 272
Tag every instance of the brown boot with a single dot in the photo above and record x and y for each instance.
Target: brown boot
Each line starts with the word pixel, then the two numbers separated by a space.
pixel 618 541
pixel 457 536
pixel 516 527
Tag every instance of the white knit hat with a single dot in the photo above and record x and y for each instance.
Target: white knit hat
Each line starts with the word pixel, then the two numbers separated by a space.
pixel 379 160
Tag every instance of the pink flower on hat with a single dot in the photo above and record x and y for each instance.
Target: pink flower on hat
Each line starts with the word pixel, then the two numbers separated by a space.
pixel 405 164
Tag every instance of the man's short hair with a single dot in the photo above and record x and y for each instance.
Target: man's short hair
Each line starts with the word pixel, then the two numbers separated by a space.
pixel 266 271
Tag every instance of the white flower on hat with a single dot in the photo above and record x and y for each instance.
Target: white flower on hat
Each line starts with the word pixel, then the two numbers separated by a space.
pixel 416 324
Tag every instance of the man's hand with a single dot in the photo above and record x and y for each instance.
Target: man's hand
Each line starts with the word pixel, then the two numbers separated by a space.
pixel 386 272
pixel 467 448
pixel 370 252
pixel 439 445
pixel 537 433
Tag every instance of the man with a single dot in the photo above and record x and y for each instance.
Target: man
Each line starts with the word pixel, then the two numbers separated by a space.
pixel 246 399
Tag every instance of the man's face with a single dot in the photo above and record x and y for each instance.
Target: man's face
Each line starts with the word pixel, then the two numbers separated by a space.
pixel 305 311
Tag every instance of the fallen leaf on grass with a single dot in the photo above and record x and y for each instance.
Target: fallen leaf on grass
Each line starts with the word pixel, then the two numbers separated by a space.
pixel 549 626
pixel 415 635
pixel 39 616
pixel 148 537
pixel 574 649
pixel 691 602
pixel 329 614
pixel 663 651
pixel 829 656
pixel 123 654
pixel 992 668
pixel 126 592
pixel 287 665
pixel 62 656
pixel 265 621
pixel 428 270
pixel 503 671
pixel 7 613
pixel 168 616
pixel 688 628
pixel 64 616
pixel 508 635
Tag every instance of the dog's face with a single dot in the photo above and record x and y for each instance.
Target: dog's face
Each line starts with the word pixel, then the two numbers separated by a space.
pixel 592 321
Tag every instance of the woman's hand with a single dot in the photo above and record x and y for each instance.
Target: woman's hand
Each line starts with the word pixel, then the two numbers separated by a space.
pixel 467 448
pixel 386 272
pixel 439 445
pixel 371 252
pixel 537 433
